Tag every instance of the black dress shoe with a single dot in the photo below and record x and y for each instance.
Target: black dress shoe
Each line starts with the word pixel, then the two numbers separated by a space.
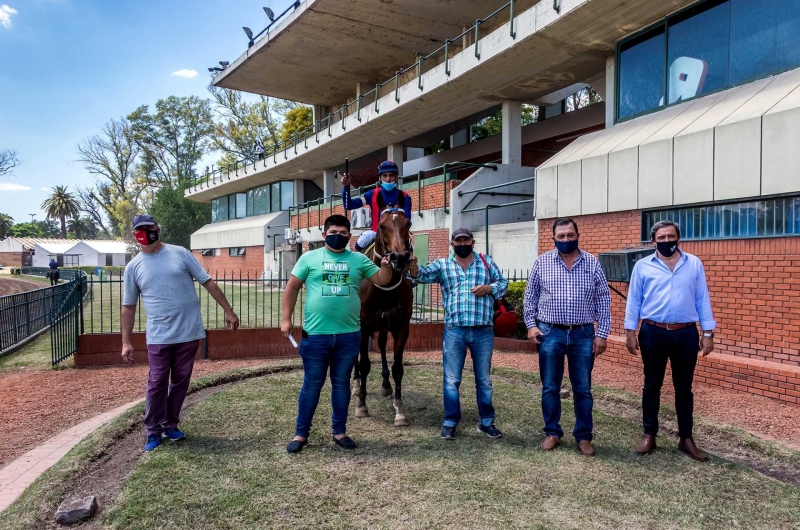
pixel 345 443
pixel 448 433
pixel 295 446
pixel 490 430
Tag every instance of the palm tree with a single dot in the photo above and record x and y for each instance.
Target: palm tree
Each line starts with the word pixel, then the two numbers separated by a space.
pixel 82 228
pixel 6 222
pixel 60 205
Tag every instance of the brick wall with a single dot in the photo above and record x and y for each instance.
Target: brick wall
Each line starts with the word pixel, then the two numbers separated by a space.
pixel 104 349
pixel 251 263
pixel 11 259
pixel 751 283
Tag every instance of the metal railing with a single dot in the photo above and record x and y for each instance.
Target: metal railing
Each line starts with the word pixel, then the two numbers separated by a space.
pixel 371 98
pixel 419 177
pixel 486 190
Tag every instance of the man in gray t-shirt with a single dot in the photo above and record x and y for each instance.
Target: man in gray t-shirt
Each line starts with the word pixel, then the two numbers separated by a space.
pixel 163 275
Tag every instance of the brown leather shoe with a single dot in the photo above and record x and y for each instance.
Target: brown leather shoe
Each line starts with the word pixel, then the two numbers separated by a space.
pixel 550 443
pixel 647 445
pixel 586 448
pixel 687 445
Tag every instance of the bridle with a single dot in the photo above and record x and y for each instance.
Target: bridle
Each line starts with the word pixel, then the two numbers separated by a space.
pixel 379 237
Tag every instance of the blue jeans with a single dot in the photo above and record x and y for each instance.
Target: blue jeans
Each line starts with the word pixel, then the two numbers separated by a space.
pixel 339 352
pixel 480 341
pixel 576 344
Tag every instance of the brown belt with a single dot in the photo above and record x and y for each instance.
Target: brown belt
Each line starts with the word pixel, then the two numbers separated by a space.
pixel 670 327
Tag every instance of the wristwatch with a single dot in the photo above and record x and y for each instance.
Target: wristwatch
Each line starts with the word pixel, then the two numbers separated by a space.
pixel 709 334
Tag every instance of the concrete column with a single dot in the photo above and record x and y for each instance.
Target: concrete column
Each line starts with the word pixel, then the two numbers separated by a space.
pixel 396 153
pixel 512 133
pixel 610 96
pixel 319 112
pixel 331 185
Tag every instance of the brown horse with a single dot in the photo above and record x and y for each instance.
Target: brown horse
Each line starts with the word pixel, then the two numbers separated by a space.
pixel 386 310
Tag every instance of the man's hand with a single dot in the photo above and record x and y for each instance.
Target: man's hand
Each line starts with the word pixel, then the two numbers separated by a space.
pixel 598 346
pixel 535 336
pixel 481 290
pixel 127 353
pixel 231 320
pixel 413 267
pixel 345 179
pixel 286 328
pixel 706 345
pixel 631 342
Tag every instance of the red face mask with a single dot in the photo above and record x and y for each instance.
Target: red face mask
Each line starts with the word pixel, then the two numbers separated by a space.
pixel 146 237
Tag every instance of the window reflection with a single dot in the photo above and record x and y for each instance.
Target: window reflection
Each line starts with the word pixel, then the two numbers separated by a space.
pixel 641 75
pixel 767 218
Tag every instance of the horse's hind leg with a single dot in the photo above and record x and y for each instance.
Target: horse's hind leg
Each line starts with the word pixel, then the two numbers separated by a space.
pixel 386 386
pixel 400 339
pixel 363 367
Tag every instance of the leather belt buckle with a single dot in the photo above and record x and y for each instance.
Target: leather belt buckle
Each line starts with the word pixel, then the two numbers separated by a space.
pixel 671 327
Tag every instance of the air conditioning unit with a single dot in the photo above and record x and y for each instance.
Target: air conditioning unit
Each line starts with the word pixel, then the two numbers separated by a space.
pixel 288 234
pixel 618 264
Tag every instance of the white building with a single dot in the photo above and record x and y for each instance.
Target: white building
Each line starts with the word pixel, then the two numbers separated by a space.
pixel 37 252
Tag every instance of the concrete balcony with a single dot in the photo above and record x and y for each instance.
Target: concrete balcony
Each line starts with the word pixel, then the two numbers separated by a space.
pixel 545 52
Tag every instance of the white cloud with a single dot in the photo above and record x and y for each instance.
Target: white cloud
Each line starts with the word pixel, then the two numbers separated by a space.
pixel 185 73
pixel 45 189
pixel 10 186
pixel 5 15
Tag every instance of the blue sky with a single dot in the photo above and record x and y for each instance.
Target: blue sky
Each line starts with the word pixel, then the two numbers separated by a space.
pixel 69 66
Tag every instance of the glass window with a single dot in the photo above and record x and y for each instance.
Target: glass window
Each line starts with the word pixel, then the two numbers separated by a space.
pixel 698 51
pixel 275 205
pixel 222 209
pixel 250 198
pixel 641 74
pixel 287 195
pixel 261 200
pixel 767 218
pixel 213 210
pixel 236 251
pixel 241 204
pixel 763 38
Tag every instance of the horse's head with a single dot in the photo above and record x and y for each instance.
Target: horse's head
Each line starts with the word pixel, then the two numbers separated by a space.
pixel 393 236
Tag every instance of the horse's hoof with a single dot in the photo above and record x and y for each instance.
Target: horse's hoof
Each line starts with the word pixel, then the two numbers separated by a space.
pixel 386 392
pixel 356 387
pixel 362 412
pixel 401 422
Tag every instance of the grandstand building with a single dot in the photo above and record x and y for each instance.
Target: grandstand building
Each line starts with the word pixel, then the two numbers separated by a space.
pixel 696 118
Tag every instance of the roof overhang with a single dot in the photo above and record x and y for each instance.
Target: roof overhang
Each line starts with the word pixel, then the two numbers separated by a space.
pixel 737 144
pixel 247 232
pixel 320 51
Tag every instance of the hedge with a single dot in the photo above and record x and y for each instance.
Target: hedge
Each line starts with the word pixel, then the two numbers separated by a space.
pixel 90 270
pixel 515 297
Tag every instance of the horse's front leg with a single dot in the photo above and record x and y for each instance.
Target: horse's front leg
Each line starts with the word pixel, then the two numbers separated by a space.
pixel 400 339
pixel 386 386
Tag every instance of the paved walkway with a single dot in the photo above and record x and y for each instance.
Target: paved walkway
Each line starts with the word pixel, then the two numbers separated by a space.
pixel 21 473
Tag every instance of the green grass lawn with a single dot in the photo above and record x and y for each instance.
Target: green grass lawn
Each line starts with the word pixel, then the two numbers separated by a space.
pixel 233 471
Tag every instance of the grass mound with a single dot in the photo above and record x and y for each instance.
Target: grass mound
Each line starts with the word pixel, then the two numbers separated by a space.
pixel 233 471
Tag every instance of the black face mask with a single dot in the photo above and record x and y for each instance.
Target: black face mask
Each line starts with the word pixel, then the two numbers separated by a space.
pixel 667 248
pixel 567 247
pixel 462 251
pixel 336 241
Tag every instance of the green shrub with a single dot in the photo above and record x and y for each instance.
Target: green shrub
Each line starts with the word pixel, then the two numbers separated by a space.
pixel 515 296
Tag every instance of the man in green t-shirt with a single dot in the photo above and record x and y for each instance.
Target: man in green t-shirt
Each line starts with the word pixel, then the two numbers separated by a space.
pixel 332 330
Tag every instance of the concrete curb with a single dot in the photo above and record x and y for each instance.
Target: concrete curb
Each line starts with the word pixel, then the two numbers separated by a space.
pixel 22 472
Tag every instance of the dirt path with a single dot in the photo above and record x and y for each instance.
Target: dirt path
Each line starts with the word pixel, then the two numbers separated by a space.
pixel 13 286
pixel 37 404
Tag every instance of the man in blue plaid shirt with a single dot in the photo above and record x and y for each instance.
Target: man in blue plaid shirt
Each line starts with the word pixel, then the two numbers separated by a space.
pixel 567 293
pixel 469 287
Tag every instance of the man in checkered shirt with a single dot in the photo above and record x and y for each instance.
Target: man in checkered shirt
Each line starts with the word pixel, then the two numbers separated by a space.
pixel 567 293
pixel 470 284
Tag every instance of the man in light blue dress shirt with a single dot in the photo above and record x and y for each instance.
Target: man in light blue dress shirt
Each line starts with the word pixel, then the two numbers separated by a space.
pixel 668 293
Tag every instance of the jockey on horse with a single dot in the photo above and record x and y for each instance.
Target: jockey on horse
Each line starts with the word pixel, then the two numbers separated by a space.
pixel 390 194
